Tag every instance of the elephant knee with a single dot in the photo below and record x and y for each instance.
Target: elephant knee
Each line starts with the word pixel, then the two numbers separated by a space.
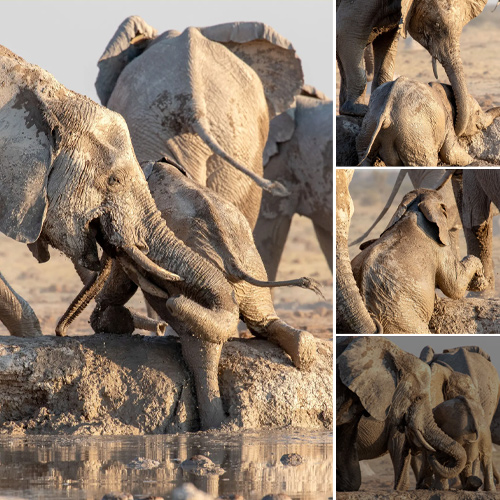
pixel 113 319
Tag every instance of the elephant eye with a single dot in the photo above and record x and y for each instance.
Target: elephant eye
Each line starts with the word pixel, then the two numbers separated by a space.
pixel 113 180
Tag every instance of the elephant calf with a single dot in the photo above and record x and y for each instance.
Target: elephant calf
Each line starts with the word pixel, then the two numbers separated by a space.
pixel 411 123
pixel 398 273
pixel 217 230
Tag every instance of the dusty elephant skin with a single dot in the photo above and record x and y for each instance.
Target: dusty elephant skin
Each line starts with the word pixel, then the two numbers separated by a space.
pixel 210 95
pixel 109 384
pixel 360 22
pixel 299 148
pixel 411 123
pixel 380 386
pixel 401 295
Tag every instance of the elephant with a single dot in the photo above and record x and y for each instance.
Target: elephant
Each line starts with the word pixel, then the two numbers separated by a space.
pixel 464 372
pixel 430 22
pixel 430 179
pixel 351 313
pixel 69 178
pixel 397 274
pixel 214 229
pixel 411 123
pixel 203 97
pixel 298 154
pixel 381 386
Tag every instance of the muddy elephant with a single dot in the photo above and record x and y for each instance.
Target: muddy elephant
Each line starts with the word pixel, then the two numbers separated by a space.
pixel 87 188
pixel 468 373
pixel 361 22
pixel 214 229
pixel 351 313
pixel 398 273
pixel 389 388
pixel 203 97
pixel 430 179
pixel 411 123
pixel 298 154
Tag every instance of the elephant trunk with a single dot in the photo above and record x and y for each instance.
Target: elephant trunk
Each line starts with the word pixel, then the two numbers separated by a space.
pixel 351 309
pixel 452 64
pixel 431 437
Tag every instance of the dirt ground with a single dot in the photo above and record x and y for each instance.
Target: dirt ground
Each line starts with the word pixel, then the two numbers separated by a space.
pixel 479 49
pixel 50 287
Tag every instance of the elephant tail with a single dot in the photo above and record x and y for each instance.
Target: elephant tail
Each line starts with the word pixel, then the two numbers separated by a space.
pixel 395 190
pixel 274 187
pixel 380 122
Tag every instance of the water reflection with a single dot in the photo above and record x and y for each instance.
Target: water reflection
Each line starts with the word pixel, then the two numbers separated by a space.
pixel 82 468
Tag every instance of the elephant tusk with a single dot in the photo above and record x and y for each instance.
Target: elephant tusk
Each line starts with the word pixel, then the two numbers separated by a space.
pixel 143 282
pixel 423 442
pixel 148 265
pixel 434 68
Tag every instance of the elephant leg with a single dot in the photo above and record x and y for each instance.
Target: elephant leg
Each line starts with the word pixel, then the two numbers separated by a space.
pixel 348 470
pixel 352 37
pixel 487 469
pixel 384 50
pixel 270 237
pixel 325 240
pixel 16 314
pixel 202 359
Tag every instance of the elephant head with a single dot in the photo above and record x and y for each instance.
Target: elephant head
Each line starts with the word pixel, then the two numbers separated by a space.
pixel 352 315
pixel 392 385
pixel 438 28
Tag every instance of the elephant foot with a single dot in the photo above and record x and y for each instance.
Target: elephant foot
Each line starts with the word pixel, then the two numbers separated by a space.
pixel 114 319
pixel 473 483
pixel 353 109
pixel 298 344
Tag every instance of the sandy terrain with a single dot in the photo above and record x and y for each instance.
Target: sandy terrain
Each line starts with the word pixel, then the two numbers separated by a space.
pixel 50 287
pixel 479 49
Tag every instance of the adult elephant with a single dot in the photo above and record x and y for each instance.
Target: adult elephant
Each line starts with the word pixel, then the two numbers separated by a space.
pixel 432 23
pixel 468 372
pixel 203 97
pixel 69 178
pixel 430 179
pixel 351 314
pixel 298 154
pixel 377 378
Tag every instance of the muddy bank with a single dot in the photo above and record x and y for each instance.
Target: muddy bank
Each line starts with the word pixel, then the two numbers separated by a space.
pixel 469 315
pixel 109 384
pixel 417 495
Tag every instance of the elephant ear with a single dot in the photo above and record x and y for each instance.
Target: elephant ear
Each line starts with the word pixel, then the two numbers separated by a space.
pixel 29 139
pixel 408 199
pixel 269 54
pixel 368 370
pixel 406 13
pixel 130 40
pixel 436 212
pixel 281 129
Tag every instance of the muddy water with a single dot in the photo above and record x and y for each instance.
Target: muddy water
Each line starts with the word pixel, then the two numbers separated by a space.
pixel 87 468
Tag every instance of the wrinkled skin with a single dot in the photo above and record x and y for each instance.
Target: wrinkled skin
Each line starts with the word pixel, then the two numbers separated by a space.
pixel 219 233
pixel 361 22
pixel 480 189
pixel 351 313
pixel 383 404
pixel 411 123
pixel 203 97
pixel 397 274
pixel 86 187
pixel 465 389
pixel 430 179
pixel 301 158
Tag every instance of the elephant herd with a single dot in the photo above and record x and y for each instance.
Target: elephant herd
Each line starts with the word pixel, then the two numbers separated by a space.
pixel 407 122
pixel 160 187
pixel 433 413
